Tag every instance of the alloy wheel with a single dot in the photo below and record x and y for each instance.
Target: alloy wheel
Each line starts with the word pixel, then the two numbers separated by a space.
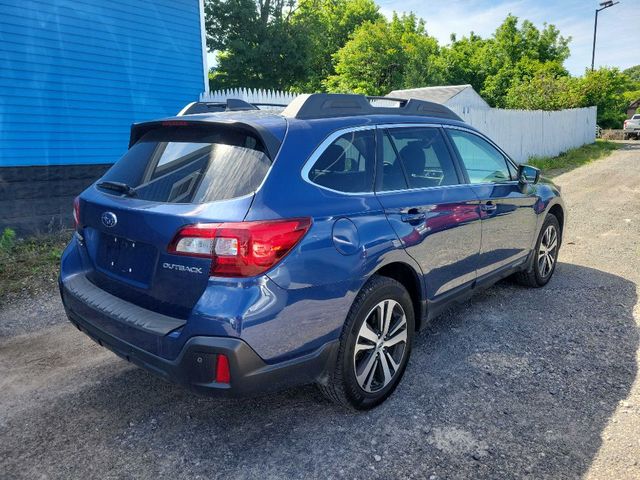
pixel 548 251
pixel 381 345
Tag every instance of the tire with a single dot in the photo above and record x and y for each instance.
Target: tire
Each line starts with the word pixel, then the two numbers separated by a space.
pixel 625 136
pixel 374 383
pixel 539 271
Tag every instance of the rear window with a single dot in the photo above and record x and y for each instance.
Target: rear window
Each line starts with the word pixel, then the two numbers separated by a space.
pixel 192 165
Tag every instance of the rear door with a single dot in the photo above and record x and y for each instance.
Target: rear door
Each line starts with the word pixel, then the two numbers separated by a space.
pixel 434 215
pixel 178 176
pixel 508 212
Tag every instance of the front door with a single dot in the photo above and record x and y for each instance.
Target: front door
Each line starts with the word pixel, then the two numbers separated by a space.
pixel 508 213
pixel 435 217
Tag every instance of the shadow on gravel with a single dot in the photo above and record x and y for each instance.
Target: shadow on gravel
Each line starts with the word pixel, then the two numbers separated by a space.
pixel 515 383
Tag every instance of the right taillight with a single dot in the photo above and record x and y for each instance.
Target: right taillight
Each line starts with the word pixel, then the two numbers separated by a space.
pixel 76 213
pixel 240 249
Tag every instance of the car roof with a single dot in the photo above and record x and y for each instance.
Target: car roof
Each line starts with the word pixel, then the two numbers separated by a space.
pixel 328 112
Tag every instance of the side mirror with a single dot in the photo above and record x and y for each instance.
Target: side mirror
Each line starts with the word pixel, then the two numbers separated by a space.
pixel 528 174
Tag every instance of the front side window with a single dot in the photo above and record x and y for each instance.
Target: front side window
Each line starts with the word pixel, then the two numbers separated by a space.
pixel 348 164
pixel 483 162
pixel 192 165
pixel 416 158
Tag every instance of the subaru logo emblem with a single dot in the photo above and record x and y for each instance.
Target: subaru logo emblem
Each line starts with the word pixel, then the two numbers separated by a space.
pixel 109 219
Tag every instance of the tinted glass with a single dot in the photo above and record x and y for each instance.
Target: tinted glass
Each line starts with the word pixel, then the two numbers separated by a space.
pixel 393 176
pixel 416 158
pixel 348 164
pixel 483 162
pixel 192 165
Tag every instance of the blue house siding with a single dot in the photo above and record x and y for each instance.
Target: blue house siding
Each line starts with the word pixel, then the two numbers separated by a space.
pixel 74 75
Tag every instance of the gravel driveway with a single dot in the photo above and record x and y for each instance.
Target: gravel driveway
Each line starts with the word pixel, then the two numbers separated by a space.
pixel 516 383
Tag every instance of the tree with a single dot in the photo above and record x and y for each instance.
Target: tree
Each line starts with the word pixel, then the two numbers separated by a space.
pixel 545 90
pixel 385 56
pixel 605 88
pixel 280 43
pixel 633 73
pixel 513 53
pixel 257 44
pixel 328 24
pixel 516 53
pixel 465 61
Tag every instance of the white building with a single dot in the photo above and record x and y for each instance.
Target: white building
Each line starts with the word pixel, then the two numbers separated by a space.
pixel 460 98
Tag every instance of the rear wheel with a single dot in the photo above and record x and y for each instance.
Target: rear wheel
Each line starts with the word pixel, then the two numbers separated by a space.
pixel 545 254
pixel 374 346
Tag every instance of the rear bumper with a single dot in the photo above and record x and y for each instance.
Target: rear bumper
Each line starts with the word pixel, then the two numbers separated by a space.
pixel 195 365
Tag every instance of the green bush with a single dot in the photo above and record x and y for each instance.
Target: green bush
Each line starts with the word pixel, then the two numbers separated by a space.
pixel 7 240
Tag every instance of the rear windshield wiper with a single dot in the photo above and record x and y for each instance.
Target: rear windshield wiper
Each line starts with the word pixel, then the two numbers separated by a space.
pixel 121 187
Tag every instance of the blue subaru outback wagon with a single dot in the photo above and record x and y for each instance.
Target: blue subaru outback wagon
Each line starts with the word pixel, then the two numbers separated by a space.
pixel 243 251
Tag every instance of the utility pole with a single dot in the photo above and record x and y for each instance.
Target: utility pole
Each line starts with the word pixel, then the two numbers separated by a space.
pixel 603 5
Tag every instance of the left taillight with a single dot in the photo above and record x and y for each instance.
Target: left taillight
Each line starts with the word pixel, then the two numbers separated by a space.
pixel 240 249
pixel 76 213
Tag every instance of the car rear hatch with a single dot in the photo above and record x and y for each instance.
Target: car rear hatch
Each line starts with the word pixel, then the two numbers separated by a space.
pixel 174 174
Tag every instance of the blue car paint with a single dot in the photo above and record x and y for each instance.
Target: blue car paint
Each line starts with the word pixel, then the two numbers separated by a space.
pixel 301 304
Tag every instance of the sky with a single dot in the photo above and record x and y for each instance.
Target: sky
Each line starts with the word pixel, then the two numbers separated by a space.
pixel 618 26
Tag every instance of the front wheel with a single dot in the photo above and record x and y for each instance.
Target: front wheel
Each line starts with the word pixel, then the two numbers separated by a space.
pixel 545 255
pixel 374 346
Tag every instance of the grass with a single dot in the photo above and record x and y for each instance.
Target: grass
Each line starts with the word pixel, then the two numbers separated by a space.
pixel 553 166
pixel 29 265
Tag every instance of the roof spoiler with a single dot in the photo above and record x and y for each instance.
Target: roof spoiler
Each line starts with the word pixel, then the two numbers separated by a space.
pixel 270 142
pixel 329 105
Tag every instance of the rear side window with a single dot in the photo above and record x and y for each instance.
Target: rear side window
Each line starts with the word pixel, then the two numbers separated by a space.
pixel 348 164
pixel 416 158
pixel 192 165
pixel 483 162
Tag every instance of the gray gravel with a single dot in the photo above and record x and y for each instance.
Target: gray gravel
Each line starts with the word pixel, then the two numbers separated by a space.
pixel 516 383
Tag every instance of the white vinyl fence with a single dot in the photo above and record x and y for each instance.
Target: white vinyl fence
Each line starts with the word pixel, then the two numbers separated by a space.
pixel 521 133
pixel 534 133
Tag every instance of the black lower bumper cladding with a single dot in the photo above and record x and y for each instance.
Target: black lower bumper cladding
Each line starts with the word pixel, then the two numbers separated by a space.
pixel 195 366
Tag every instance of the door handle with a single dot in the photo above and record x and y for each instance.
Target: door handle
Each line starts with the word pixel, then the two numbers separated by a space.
pixel 488 207
pixel 413 215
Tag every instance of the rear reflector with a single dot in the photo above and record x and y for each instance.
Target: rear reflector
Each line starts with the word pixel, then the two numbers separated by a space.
pixel 242 249
pixel 76 213
pixel 222 369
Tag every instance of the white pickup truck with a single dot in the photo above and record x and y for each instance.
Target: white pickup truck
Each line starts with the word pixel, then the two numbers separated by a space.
pixel 632 127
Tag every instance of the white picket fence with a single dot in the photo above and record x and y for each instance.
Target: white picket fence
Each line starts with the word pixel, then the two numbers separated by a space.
pixel 250 95
pixel 521 133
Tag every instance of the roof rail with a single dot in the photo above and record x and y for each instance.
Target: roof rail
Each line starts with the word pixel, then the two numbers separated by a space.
pixel 328 105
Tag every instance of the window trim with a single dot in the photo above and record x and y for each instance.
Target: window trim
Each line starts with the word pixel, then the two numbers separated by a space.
pixel 506 157
pixel 320 149
pixel 379 128
pixel 460 174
